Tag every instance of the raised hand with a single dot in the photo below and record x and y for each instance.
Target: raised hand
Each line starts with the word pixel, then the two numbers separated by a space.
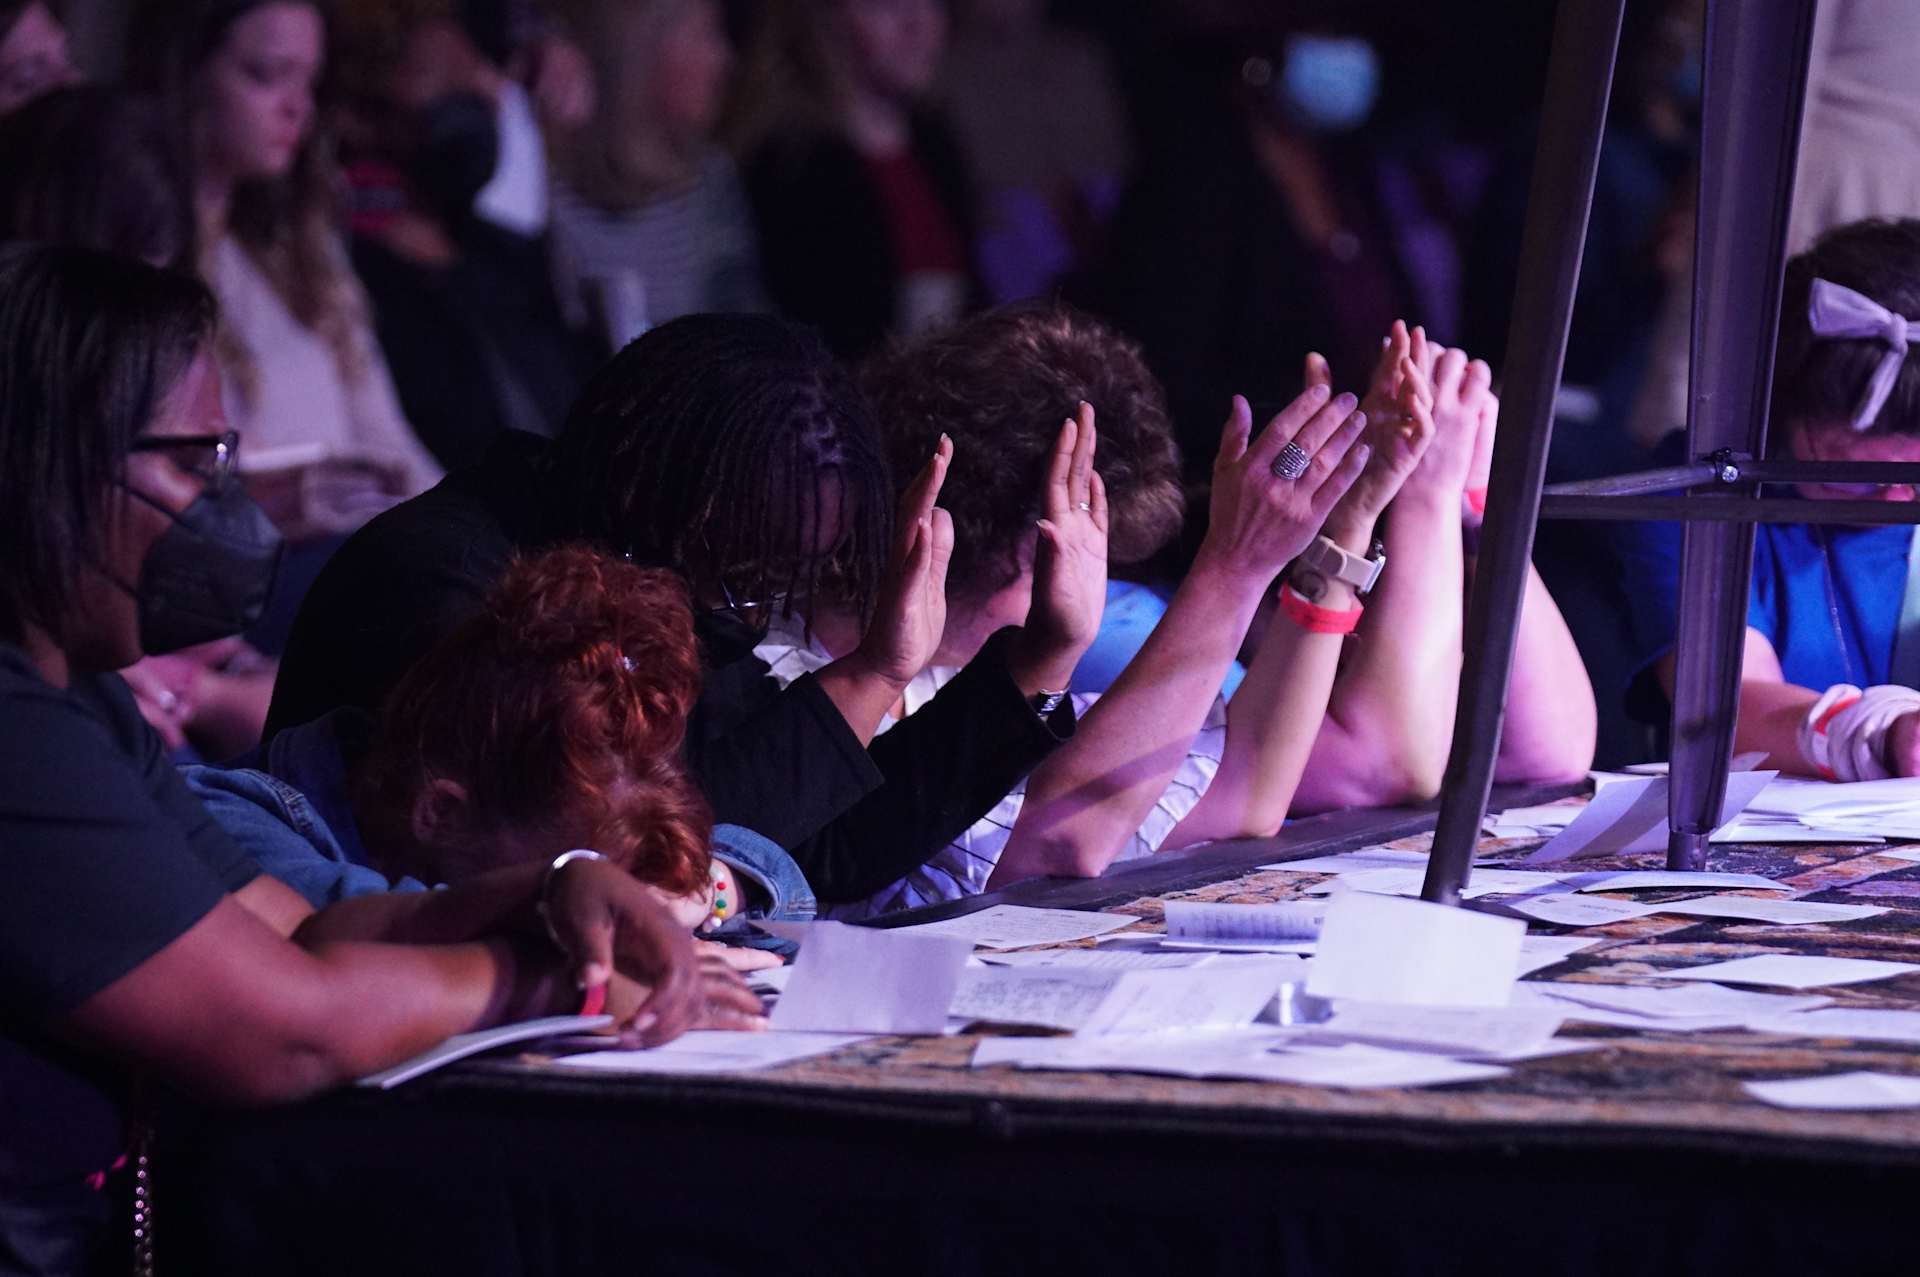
pixel 1069 563
pixel 1400 429
pixel 1259 521
pixel 1460 394
pixel 910 614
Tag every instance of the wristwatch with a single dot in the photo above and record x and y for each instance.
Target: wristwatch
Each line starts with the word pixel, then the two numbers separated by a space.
pixel 1322 563
pixel 1044 703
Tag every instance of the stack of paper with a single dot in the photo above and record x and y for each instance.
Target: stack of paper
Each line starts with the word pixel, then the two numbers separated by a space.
pixel 1288 927
pixel 1018 926
pixel 712 1051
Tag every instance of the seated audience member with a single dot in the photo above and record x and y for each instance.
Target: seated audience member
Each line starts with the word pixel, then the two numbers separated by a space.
pixel 1159 760
pixel 464 308
pixel 551 718
pixel 650 221
pixel 1390 719
pixel 863 204
pixel 733 450
pixel 121 533
pixel 305 380
pixel 88 166
pixel 33 53
pixel 1833 640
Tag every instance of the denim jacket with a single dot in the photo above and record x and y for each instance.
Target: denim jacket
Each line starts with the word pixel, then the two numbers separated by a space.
pixel 296 818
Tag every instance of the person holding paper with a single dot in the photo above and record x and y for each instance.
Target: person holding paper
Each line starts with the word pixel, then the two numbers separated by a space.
pixel 136 937
pixel 1160 761
pixel 1832 655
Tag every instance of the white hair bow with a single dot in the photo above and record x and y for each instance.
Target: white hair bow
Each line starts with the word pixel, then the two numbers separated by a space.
pixel 1835 310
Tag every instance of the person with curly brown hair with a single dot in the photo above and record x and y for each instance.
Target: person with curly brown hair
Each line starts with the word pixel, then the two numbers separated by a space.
pixel 1160 761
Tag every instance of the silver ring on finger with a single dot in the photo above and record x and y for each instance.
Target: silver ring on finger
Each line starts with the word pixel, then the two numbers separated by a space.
pixel 1292 462
pixel 1085 507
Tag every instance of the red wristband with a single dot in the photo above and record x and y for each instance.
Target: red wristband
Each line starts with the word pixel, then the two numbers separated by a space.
pixel 595 1001
pixel 1315 619
pixel 1476 499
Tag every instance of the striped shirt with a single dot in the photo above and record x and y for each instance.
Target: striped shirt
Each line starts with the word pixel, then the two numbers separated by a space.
pixel 962 867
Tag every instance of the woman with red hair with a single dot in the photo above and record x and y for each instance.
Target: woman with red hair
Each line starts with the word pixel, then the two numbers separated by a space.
pixel 550 720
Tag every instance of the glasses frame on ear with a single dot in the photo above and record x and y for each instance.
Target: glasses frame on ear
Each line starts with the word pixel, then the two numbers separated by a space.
pixel 216 455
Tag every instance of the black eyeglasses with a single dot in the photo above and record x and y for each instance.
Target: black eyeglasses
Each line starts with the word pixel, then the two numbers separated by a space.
pixel 209 457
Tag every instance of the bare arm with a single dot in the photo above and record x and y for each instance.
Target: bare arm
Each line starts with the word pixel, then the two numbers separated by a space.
pixel 1771 709
pixel 1390 718
pixel 233 1013
pixel 1551 724
pixel 1084 803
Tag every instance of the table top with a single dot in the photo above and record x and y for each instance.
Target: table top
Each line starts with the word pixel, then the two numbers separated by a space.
pixel 1660 1089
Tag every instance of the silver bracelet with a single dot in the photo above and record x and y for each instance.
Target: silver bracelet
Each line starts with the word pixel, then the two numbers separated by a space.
pixel 544 906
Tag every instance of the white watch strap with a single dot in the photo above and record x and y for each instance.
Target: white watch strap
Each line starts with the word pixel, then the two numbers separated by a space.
pixel 1360 571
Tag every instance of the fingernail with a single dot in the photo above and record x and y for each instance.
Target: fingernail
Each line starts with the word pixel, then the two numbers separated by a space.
pixel 1362 451
pixel 1319 390
pixel 1357 420
pixel 1347 401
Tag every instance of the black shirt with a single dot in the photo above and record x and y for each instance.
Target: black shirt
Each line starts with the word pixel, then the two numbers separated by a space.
pixel 782 763
pixel 108 859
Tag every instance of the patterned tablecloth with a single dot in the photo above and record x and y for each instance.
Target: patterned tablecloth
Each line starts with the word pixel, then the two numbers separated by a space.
pixel 1653 1084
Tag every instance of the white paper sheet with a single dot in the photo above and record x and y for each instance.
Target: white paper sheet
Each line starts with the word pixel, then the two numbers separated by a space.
pixel 1840 1091
pixel 460 1046
pixel 1096 959
pixel 1629 817
pixel 1018 926
pixel 713 1051
pixel 1357 1065
pixel 1670 880
pixel 1688 1001
pixel 1409 881
pixel 1198 922
pixel 1568 909
pixel 1534 994
pixel 1048 997
pixel 1794 971
pixel 1224 994
pixel 1785 913
pixel 1389 949
pixel 1352 861
pixel 1537 953
pixel 869 980
pixel 1862 1023
pixel 1464 1031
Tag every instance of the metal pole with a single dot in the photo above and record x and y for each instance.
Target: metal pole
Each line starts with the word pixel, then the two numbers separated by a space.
pixel 1586 36
pixel 1756 73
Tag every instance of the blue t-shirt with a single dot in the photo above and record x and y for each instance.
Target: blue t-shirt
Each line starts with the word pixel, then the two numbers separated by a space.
pixel 1132 612
pixel 1827 597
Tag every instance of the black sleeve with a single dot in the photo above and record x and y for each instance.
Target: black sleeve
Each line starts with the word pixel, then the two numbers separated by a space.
pixel 945 767
pixel 383 600
pixel 101 875
pixel 781 763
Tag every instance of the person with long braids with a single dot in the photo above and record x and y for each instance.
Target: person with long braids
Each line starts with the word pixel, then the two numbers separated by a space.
pixel 733 450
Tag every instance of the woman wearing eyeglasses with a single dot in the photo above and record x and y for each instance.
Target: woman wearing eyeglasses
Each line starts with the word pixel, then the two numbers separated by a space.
pixel 135 937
